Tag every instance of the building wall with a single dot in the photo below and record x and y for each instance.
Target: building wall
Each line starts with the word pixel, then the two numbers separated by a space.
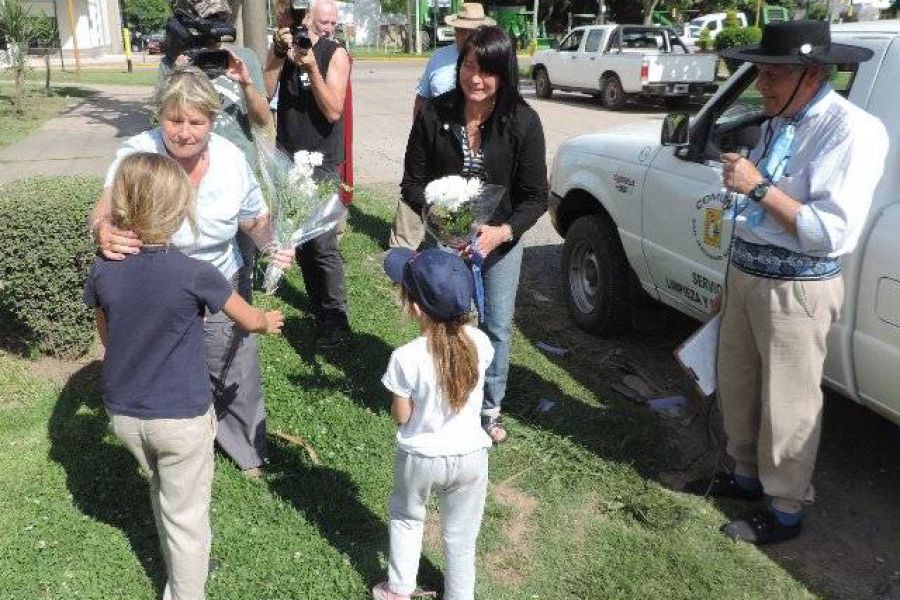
pixel 98 25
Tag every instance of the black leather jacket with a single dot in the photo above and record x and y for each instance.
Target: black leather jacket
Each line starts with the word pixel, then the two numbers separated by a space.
pixel 514 157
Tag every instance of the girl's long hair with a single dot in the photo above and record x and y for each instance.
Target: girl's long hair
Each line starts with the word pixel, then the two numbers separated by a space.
pixel 454 354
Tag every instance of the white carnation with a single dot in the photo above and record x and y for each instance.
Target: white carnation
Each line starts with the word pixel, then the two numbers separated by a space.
pixel 452 191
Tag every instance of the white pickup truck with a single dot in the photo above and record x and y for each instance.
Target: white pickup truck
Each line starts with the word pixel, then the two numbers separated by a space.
pixel 618 61
pixel 640 210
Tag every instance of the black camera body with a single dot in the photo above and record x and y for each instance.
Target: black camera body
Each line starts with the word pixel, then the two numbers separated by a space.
pixel 192 36
pixel 300 33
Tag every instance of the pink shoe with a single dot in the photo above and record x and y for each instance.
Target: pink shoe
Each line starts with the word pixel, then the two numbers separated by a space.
pixel 383 592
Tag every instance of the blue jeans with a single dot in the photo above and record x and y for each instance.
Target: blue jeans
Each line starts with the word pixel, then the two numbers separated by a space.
pixel 501 281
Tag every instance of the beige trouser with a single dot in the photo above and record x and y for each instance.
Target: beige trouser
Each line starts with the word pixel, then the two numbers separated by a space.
pixel 771 353
pixel 176 455
pixel 407 230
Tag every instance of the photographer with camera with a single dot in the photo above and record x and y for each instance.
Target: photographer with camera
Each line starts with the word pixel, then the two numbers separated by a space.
pixel 312 72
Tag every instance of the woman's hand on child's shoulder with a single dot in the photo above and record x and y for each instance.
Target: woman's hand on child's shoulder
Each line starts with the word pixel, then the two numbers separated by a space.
pixel 113 242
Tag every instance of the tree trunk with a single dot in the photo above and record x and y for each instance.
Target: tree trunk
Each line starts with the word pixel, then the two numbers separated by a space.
pixel 47 71
pixel 20 89
pixel 649 7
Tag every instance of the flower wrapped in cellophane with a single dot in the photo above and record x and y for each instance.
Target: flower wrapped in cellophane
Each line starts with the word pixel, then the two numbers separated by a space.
pixel 456 206
pixel 302 205
pixel 454 209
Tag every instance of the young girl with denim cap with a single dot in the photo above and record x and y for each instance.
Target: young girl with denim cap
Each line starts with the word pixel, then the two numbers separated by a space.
pixel 150 309
pixel 437 381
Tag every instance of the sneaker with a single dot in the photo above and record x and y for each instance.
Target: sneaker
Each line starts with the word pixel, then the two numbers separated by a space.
pixel 254 472
pixel 383 592
pixel 722 485
pixel 761 527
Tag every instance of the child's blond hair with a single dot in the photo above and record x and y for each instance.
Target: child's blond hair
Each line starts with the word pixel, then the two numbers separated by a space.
pixel 151 196
pixel 454 354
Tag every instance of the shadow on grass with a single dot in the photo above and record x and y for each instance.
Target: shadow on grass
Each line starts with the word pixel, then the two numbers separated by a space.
pixel 376 229
pixel 329 499
pixel 102 476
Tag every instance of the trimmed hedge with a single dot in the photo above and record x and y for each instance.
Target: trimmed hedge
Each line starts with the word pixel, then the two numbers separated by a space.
pixel 45 255
pixel 737 36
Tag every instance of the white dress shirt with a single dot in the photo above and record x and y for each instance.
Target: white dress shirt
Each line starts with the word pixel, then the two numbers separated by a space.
pixel 836 161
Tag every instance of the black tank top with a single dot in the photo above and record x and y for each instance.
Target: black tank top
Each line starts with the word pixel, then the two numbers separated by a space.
pixel 301 125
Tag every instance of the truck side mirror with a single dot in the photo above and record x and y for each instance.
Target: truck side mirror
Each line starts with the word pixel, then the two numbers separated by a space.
pixel 676 130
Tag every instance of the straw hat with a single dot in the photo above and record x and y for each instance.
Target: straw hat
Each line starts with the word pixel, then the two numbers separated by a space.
pixel 470 16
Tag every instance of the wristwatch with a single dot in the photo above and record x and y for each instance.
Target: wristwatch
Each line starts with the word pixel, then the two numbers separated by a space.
pixel 760 190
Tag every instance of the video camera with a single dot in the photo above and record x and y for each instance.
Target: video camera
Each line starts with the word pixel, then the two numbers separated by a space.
pixel 300 33
pixel 192 35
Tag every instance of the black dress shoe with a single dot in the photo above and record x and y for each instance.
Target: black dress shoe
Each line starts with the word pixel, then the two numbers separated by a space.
pixel 761 527
pixel 722 485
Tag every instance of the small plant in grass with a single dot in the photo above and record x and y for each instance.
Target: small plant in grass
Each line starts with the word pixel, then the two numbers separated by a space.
pixel 45 254
pixel 20 27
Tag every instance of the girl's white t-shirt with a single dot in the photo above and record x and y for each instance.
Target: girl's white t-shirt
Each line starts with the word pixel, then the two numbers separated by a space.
pixel 433 428
pixel 228 193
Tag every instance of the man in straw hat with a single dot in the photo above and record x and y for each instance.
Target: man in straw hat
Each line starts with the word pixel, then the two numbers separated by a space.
pixel 439 77
pixel 809 183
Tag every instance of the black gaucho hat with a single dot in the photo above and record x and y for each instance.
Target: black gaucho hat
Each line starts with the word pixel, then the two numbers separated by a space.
pixel 798 43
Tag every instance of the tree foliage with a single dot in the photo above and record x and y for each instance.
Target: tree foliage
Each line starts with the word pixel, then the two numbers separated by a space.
pixel 147 15
pixel 21 27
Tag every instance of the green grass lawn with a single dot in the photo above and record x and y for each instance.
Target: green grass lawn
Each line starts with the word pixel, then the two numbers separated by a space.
pixel 570 514
pixel 140 76
pixel 37 108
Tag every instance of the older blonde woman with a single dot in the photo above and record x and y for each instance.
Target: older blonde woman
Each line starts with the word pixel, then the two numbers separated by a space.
pixel 228 199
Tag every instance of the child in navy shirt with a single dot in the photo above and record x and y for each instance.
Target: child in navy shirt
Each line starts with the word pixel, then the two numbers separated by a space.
pixel 150 309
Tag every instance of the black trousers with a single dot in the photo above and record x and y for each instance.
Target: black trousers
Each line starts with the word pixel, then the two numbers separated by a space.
pixel 322 266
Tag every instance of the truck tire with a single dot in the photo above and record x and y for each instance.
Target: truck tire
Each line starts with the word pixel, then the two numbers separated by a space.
pixel 542 87
pixel 597 276
pixel 613 93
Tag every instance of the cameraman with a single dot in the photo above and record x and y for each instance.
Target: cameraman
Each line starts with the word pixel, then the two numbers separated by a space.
pixel 312 84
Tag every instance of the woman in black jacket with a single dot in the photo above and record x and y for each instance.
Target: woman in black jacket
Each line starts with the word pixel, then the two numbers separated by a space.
pixel 485 129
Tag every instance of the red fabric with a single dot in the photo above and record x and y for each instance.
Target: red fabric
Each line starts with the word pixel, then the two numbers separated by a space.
pixel 345 170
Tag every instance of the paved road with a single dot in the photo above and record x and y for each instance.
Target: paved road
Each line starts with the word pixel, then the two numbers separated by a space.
pixel 383 100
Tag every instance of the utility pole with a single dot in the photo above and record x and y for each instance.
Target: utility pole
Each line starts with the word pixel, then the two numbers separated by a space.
pixel 254 21
pixel 418 33
pixel 534 20
pixel 74 37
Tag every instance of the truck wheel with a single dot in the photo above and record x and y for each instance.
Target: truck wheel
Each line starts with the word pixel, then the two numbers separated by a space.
pixel 542 87
pixel 597 275
pixel 613 94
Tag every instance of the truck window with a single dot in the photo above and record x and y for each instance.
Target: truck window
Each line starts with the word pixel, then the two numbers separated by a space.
pixel 572 42
pixel 592 44
pixel 643 39
pixel 738 124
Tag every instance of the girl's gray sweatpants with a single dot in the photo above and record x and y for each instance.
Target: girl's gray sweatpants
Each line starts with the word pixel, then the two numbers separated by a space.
pixel 461 485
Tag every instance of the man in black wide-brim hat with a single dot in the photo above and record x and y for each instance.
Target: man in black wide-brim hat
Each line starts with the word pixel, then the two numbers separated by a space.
pixel 809 183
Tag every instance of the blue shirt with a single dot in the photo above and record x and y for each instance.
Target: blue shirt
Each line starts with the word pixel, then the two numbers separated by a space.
pixel 154 302
pixel 440 73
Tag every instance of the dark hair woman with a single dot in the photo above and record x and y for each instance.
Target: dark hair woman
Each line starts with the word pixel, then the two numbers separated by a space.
pixel 485 129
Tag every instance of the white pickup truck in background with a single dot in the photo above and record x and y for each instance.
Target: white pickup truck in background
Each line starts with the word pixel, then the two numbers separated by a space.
pixel 618 61
pixel 643 211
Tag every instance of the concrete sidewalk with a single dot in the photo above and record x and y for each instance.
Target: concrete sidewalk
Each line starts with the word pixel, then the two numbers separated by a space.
pixel 83 138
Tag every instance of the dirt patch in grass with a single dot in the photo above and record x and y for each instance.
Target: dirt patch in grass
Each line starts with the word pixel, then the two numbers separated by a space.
pixel 508 564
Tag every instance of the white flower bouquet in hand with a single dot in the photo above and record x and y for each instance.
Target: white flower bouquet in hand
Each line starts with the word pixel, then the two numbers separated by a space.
pixel 302 206
pixel 456 206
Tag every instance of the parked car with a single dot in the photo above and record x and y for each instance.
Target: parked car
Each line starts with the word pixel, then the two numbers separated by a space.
pixel 640 213
pixel 714 23
pixel 616 62
pixel 155 43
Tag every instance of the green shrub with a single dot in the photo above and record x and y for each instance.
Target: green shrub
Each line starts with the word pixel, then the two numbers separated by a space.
pixel 704 40
pixel 737 36
pixel 45 255
pixel 731 20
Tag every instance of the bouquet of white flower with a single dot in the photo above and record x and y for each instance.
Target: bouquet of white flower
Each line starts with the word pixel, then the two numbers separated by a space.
pixel 300 206
pixel 456 206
